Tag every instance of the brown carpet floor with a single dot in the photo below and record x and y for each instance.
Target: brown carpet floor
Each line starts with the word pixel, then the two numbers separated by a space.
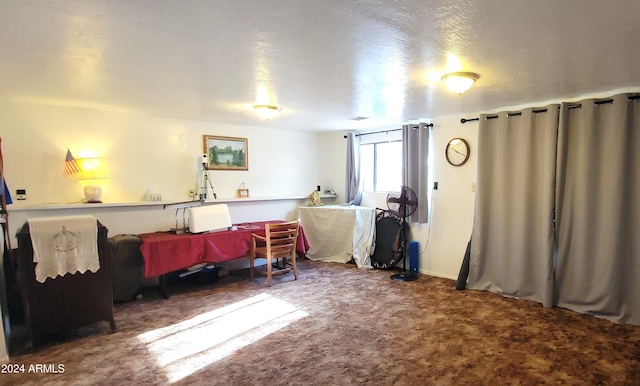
pixel 337 325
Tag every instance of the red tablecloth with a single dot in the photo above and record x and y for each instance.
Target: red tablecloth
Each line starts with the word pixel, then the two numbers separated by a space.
pixel 165 252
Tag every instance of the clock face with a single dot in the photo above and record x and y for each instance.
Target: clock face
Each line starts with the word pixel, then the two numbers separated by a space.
pixel 457 152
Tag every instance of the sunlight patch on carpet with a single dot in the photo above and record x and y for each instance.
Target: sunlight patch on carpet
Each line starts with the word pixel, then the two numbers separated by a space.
pixel 186 347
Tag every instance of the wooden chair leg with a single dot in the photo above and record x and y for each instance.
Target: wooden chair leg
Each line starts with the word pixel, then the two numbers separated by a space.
pixel 293 265
pixel 269 267
pixel 251 268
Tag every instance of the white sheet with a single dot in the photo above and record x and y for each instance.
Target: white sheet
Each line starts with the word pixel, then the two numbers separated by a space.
pixel 338 233
pixel 64 245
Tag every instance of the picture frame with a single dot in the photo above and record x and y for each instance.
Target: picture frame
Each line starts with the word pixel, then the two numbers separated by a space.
pixel 226 153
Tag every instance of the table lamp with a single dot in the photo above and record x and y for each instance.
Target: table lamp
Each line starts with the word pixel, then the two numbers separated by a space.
pixel 92 176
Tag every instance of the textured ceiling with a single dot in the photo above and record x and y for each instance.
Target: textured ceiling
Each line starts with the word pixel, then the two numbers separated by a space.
pixel 323 62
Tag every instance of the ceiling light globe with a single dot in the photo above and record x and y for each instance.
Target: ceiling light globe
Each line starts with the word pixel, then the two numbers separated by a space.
pixel 266 111
pixel 459 82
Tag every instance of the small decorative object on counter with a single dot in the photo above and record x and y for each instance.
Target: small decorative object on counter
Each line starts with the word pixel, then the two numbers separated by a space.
pixel 314 199
pixel 243 192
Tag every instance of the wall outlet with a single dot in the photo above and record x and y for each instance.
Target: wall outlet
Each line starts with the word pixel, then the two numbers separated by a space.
pixel 473 187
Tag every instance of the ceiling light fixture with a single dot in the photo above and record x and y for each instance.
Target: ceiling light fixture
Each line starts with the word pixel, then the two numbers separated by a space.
pixel 266 111
pixel 459 82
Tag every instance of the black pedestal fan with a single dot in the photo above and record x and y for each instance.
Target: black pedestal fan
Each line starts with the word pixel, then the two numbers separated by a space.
pixel 403 203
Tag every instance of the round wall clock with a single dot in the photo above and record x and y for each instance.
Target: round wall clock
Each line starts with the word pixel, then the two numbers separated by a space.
pixel 457 152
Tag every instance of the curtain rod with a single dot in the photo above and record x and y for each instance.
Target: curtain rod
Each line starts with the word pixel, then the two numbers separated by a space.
pixel 376 132
pixel 463 120
pixel 601 101
pixel 569 106
pixel 389 131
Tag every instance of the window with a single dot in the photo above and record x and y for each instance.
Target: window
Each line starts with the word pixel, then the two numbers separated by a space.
pixel 381 166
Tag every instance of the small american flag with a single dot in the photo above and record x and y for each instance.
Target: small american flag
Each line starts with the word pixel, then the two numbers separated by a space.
pixel 70 165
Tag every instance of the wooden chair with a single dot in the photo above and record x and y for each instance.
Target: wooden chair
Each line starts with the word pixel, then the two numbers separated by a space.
pixel 276 246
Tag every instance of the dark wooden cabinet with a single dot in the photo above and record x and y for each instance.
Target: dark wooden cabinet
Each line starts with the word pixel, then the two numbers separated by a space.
pixel 66 302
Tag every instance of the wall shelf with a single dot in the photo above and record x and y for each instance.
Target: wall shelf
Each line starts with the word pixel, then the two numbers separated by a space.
pixel 15 207
pixel 254 199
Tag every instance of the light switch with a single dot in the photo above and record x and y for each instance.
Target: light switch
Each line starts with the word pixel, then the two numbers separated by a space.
pixel 21 194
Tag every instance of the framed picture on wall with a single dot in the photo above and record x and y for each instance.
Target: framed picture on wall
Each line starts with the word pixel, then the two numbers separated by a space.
pixel 226 153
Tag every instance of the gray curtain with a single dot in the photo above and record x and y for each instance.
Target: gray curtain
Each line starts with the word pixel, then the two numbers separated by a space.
pixel 512 243
pixel 598 208
pixel 352 188
pixel 415 155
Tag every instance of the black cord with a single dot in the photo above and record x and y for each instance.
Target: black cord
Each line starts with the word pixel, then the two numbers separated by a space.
pixel 426 244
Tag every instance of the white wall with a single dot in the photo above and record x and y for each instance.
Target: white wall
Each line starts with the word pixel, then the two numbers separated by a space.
pixel 161 155
pixel 149 154
pixel 332 160
pixel 444 239
pixel 144 154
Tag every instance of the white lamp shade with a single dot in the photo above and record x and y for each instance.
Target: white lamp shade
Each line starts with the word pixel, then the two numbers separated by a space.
pixel 92 169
